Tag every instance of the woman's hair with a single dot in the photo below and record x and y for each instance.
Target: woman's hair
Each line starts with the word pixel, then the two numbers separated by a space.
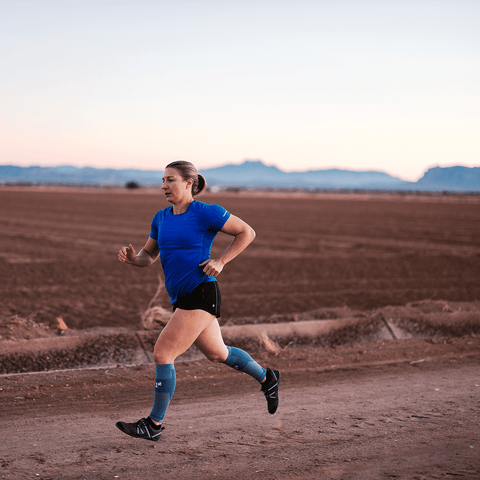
pixel 188 171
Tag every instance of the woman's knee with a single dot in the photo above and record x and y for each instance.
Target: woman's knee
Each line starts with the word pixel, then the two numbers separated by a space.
pixel 160 358
pixel 162 355
pixel 217 357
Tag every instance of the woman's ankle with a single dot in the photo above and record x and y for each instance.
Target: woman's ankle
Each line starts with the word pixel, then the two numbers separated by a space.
pixel 154 423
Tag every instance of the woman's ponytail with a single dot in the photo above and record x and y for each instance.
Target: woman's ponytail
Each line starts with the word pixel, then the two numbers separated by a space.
pixel 199 186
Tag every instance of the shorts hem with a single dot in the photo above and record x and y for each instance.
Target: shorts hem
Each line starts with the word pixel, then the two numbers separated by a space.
pixel 205 296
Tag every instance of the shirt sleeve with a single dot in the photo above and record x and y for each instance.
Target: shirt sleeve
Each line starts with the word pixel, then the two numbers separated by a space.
pixel 154 227
pixel 216 217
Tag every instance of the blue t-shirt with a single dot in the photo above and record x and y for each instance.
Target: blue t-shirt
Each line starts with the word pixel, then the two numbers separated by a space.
pixel 185 241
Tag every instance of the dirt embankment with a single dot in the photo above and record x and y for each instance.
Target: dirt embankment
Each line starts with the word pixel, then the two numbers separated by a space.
pixel 29 346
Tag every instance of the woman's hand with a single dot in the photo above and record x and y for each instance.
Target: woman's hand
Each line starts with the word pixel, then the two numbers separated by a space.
pixel 145 257
pixel 244 235
pixel 212 267
pixel 127 254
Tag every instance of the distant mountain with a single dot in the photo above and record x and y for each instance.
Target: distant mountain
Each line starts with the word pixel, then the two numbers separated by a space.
pixel 457 178
pixel 253 173
pixel 68 175
pixel 257 174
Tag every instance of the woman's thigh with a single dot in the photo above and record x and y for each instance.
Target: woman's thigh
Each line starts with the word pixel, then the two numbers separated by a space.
pixel 181 331
pixel 210 343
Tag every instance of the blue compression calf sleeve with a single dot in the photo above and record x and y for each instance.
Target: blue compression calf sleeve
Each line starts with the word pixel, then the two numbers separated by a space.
pixel 165 381
pixel 241 360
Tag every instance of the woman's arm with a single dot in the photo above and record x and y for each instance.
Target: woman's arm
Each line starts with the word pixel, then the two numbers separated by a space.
pixel 145 257
pixel 244 235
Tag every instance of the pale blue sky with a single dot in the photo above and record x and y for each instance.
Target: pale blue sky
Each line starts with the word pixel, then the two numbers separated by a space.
pixel 301 84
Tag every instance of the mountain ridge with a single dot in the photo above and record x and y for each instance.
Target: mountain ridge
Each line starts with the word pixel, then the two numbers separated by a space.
pixel 253 174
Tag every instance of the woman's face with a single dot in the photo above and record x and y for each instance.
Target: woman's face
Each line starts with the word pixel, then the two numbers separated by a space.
pixel 176 189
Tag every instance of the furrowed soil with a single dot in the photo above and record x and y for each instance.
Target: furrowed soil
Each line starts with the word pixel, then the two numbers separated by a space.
pixel 59 253
pixel 356 406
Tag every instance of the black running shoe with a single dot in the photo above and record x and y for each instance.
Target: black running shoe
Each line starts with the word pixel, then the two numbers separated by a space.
pixel 141 429
pixel 270 389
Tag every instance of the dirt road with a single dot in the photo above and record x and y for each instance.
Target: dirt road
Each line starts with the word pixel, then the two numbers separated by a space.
pixel 402 409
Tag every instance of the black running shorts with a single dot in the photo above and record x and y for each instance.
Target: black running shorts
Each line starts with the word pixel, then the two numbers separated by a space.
pixel 205 297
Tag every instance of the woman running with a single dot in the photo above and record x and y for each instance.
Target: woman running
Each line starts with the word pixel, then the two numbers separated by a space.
pixel 182 236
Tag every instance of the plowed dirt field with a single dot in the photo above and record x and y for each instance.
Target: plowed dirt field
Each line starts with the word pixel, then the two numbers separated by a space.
pixel 59 253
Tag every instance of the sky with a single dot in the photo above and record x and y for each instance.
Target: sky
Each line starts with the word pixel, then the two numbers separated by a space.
pixel 383 85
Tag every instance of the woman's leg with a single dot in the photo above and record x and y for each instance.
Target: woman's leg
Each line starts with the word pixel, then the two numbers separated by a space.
pixel 178 335
pixel 210 343
pixel 187 327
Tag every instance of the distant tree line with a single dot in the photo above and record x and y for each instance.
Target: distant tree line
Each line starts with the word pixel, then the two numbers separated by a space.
pixel 132 185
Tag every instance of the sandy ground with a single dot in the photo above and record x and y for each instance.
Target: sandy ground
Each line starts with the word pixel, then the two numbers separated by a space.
pixel 401 409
